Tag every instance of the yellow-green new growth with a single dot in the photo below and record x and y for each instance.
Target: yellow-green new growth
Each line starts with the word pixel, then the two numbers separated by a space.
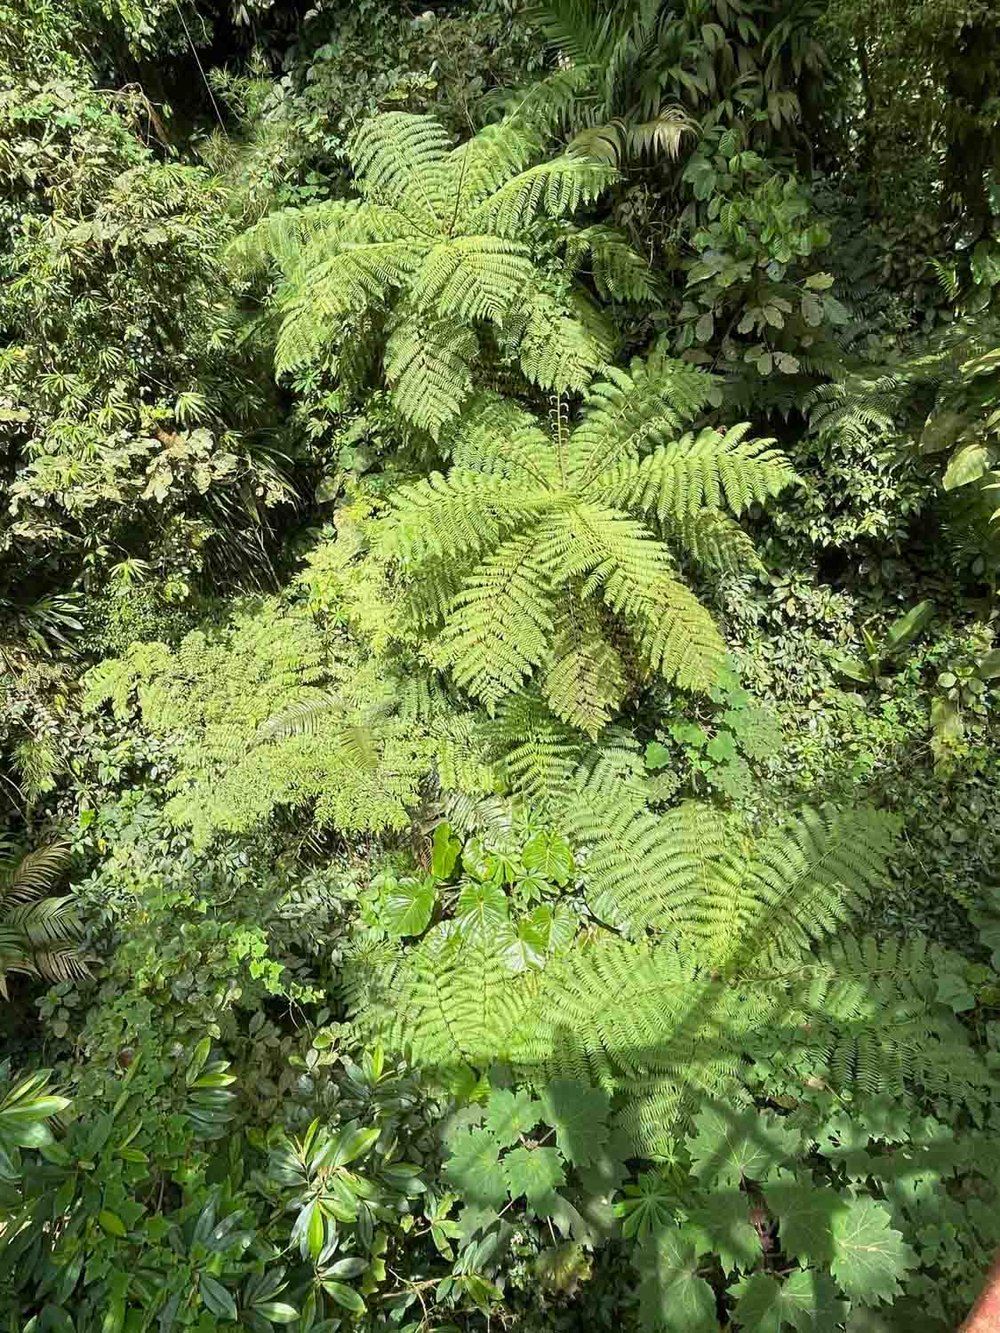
pixel 541 546
pixel 442 245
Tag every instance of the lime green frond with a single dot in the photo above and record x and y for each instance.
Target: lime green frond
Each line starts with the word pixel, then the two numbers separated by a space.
pixel 499 438
pixel 556 350
pixel 400 159
pixel 627 413
pixel 428 367
pixel 585 679
pixel 620 274
pixel 499 627
pixel 709 469
pixel 462 514
pixel 553 189
pixel 474 277
pixel 481 165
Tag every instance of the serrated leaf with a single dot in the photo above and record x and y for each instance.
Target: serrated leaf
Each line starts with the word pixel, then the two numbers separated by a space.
pixel 805 1214
pixel 672 1296
pixel 535 1174
pixel 731 1146
pixel 409 907
pixel 549 855
pixel 869 1256
pixel 648 1206
pixel 579 1115
pixel 474 1168
pixel 806 1299
pixel 511 1114
pixel 723 1225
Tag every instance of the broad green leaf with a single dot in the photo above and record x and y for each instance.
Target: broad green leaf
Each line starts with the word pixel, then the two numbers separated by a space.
pixel 657 756
pixel 345 1296
pixel 277 1312
pixel 869 1256
pixel 511 1114
pixel 806 1300
pixel 474 1168
pixel 352 1142
pixel 805 1214
pixel 988 667
pixel 549 855
pixel 966 465
pixel 523 948
pixel 579 1115
pixel 907 627
pixel 535 1173
pixel 409 906
pixel 854 669
pixel 218 1300
pixel 111 1223
pixel 672 1297
pixel 648 1206
pixel 482 909
pixel 731 1146
pixel 722 1224
pixel 445 848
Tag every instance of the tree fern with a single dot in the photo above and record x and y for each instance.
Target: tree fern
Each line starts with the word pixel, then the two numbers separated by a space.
pixel 442 243
pixel 737 955
pixel 40 933
pixel 545 545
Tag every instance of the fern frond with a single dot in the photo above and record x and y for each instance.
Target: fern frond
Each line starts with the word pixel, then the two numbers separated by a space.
pixel 497 437
pixel 456 1003
pixel 474 277
pixel 428 368
pixel 554 189
pixel 400 159
pixel 481 165
pixel 498 629
pixel 620 274
pixel 585 680
pixel 462 514
pixel 697 471
pixel 25 878
pixel 537 754
pixel 556 351
pixel 714 540
pixel 347 283
pixel 626 413
pixel 631 571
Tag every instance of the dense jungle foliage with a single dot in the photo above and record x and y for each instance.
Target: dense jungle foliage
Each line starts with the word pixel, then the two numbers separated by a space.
pixel 498 658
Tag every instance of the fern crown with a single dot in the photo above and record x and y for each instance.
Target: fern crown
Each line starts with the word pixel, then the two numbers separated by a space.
pixel 537 543
pixel 441 245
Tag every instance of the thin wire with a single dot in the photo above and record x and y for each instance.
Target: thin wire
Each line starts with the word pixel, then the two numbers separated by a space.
pixel 197 59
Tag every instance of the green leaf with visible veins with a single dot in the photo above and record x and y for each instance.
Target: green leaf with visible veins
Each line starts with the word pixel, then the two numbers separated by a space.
pixel 672 1296
pixel 869 1256
pixel 731 1146
pixel 511 1114
pixel 474 1168
pixel 534 1173
pixel 549 855
pixel 805 1214
pixel 806 1299
pixel 409 907
pixel 580 1117
pixel 723 1223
